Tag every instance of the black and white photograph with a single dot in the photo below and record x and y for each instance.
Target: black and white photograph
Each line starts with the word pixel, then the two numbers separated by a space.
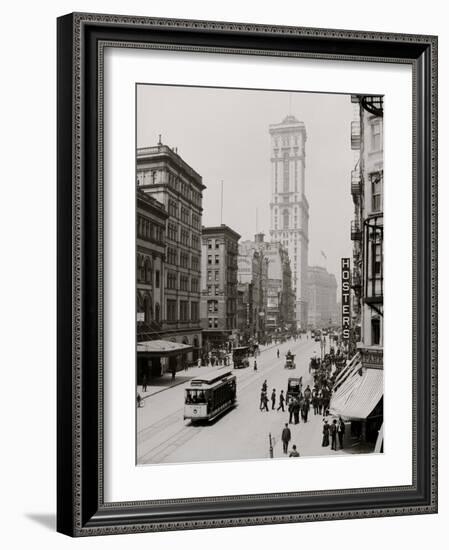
pixel 259 274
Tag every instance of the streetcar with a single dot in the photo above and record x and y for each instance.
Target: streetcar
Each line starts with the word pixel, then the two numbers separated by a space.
pixel 210 395
pixel 240 357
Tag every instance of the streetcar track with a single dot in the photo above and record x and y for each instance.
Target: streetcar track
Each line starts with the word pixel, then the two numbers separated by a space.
pixel 186 432
pixel 158 426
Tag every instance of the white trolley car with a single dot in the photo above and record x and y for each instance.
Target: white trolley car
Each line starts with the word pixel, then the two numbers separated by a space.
pixel 208 396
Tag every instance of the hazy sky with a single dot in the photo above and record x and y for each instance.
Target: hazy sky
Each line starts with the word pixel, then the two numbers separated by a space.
pixel 223 135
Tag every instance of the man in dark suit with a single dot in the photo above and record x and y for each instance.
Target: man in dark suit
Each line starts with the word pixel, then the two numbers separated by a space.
pixel 341 431
pixel 281 401
pixel 296 410
pixel 333 430
pixel 286 436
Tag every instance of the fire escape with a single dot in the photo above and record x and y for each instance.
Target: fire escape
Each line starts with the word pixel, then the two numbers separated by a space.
pixel 374 104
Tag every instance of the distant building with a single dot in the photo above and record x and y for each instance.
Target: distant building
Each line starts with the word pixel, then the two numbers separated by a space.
pixel 253 270
pixel 322 298
pixel 289 207
pixel 245 312
pixel 164 176
pixel 281 297
pixel 218 285
pixel 265 268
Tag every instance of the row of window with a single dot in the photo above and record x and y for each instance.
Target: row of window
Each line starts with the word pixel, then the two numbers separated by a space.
pixel 148 230
pixel 213 290
pixel 284 198
pixel 276 211
pixel 285 225
pixel 182 258
pixel 157 176
pixel 185 283
pixel 213 243
pixel 211 261
pixel 213 275
pixel 184 236
pixel 286 140
pixel 176 210
pixel 188 311
pixel 148 178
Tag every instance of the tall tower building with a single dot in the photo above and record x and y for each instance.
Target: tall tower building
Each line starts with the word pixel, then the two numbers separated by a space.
pixel 289 207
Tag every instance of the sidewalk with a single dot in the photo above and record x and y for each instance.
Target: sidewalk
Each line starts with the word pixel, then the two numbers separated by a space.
pixel 308 439
pixel 166 382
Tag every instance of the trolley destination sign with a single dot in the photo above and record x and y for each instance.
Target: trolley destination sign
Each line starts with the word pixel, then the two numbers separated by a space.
pixel 346 298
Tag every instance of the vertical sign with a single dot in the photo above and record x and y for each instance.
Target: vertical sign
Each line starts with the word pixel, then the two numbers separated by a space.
pixel 346 298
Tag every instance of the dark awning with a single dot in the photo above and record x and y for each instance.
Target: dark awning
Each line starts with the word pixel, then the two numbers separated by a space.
pixel 162 348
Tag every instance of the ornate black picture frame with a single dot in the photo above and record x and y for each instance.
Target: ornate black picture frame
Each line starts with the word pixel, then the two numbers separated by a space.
pixel 81 510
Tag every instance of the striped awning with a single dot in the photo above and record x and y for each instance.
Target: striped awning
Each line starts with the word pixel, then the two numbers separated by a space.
pixel 356 398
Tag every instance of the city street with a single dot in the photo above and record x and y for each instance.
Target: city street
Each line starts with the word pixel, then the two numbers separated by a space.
pixel 242 432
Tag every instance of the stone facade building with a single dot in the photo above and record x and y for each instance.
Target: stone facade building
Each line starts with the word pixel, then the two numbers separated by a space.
pixel 253 270
pixel 367 228
pixel 245 312
pixel 289 207
pixel 281 297
pixel 165 177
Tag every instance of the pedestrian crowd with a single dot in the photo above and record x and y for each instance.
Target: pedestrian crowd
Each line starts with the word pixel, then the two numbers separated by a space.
pixel 265 400
pixel 325 373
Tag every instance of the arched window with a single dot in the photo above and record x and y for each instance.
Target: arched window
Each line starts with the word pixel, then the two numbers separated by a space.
pixel 285 217
pixel 140 268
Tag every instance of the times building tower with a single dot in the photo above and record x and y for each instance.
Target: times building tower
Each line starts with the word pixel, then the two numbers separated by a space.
pixel 289 209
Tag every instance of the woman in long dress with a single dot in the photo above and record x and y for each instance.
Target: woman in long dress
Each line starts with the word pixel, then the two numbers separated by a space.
pixel 325 434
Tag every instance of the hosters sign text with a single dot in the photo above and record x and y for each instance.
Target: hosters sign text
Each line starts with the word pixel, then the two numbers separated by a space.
pixel 346 298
